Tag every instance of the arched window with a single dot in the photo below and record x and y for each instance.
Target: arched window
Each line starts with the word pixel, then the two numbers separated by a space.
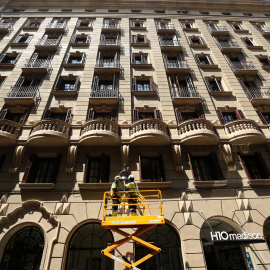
pixel 170 256
pixel 24 250
pixel 84 251
pixel 225 255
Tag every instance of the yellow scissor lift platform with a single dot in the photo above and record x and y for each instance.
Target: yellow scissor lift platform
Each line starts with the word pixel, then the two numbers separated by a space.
pixel 149 215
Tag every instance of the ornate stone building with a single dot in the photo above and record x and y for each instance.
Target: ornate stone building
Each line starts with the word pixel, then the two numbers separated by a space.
pixel 178 91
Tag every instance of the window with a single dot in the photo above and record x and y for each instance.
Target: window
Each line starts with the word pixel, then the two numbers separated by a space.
pixel 226 13
pixel 248 14
pixel 264 61
pixel 152 169
pixel 2 160
pixel 24 249
pixel 161 11
pixel 139 40
pixel 66 10
pixel 90 10
pixel 205 168
pixel 74 59
pixel 15 117
pixel 249 42
pixel 142 84
pixel 139 59
pixel 80 40
pixel 202 59
pixel 41 169
pixel 264 117
pixel 67 83
pixel 204 13
pixel 226 117
pixel 182 116
pixel 195 41
pixel 136 11
pixel 102 84
pixel 139 115
pixel 113 10
pixel 84 23
pixel 22 40
pixel 93 114
pixel 213 84
pixel 2 80
pixel 267 15
pixel 182 87
pixel 254 166
pixel 43 10
pixel 97 170
pixel 183 12
pixel 17 10
pixel 188 26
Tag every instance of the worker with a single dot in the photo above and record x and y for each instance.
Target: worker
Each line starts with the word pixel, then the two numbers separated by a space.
pixel 132 201
pixel 115 194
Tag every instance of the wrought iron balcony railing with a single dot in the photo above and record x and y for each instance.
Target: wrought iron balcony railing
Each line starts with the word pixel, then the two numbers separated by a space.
pixel 48 42
pixel 237 65
pixel 56 25
pixel 164 26
pixel 23 92
pixel 110 42
pixel 215 28
pixel 6 26
pixel 226 44
pixel 176 64
pixel 264 30
pixel 257 92
pixel 168 42
pixel 107 63
pixel 38 63
pixel 184 92
pixel 115 25
pixel 104 92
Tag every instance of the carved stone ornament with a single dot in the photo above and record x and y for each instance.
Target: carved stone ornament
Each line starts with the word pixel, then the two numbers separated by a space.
pixel 72 153
pixel 17 158
pixel 228 157
pixel 125 154
pixel 177 157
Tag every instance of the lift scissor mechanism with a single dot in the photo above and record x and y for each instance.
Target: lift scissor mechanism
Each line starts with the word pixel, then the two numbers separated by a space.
pixel 150 214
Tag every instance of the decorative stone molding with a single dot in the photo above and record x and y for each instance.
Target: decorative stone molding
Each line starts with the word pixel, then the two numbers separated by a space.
pixel 228 157
pixel 63 207
pixel 72 153
pixel 125 154
pixel 17 158
pixel 177 157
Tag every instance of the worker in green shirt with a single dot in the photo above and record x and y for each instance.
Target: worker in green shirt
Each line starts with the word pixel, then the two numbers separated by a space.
pixel 115 195
pixel 132 186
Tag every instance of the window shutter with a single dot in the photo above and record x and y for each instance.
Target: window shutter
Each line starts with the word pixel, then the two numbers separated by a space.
pixel 216 168
pixel 114 115
pixel 183 25
pixel 95 83
pixel 161 169
pixel 78 23
pixel 232 26
pixel 91 114
pixel 102 38
pixel 261 117
pixel 77 83
pixel 178 116
pixel 157 114
pixel 165 58
pixel 209 58
pixel 29 39
pixel 90 24
pixel 23 117
pixel 201 40
pixel 114 82
pixel 135 115
pixel 133 84
pixel 244 41
pixel 208 85
pixel 197 59
pixel 244 166
pixel 86 173
pixel 151 84
pixel 58 83
pixel 263 165
pixel 191 167
pixel 88 39
pixel 47 114
pixel 219 85
pixel 2 57
pixel 66 58
pixel 84 58
pixel 246 90
pixel 69 116
pixel 115 59
pixel 132 56
pixel 31 170
pixel 190 85
pixel 239 114
pixel 73 38
pixel 3 113
pixel 220 117
pixel 17 39
pixel 34 57
pixel 189 40
pixel 145 39
pixel 35 82
pixel 105 169
pixel 55 169
pixel 228 59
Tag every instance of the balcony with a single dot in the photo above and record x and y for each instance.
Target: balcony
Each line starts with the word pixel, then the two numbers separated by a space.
pixel 265 31
pixel 112 27
pixel 23 95
pixel 197 132
pixel 56 27
pixel 100 132
pixel 137 42
pixel 9 132
pixel 74 60
pixel 185 95
pixel 110 66
pixel 6 27
pixel 229 47
pixel 244 132
pixel 175 66
pixel 165 28
pixel 109 44
pixel 48 44
pixel 104 95
pixel 80 40
pixel 38 66
pixel 168 45
pixel 149 132
pixel 258 96
pixel 49 132
pixel 217 30
pixel 243 68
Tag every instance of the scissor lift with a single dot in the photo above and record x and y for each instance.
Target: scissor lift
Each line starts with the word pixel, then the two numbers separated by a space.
pixel 150 214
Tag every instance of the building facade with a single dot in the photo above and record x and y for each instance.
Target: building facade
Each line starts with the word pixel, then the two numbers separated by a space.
pixel 179 92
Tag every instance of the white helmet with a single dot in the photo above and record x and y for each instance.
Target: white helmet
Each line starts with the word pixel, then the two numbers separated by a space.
pixel 131 178
pixel 117 177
